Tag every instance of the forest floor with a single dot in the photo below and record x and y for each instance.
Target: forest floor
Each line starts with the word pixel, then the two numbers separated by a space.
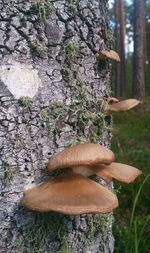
pixel 131 145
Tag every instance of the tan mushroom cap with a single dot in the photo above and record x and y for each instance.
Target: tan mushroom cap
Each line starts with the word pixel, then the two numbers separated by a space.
pixel 121 172
pixel 71 194
pixel 112 100
pixel 108 54
pixel 124 105
pixel 81 155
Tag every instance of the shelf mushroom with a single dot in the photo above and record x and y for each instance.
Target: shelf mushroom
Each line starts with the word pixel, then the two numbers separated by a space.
pixel 123 106
pixel 112 100
pixel 93 159
pixel 121 172
pixel 108 54
pixel 80 157
pixel 71 194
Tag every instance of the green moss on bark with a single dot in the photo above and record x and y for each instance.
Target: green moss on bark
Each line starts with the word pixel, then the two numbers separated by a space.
pixel 43 8
pixel 47 227
pixel 26 103
pixel 6 172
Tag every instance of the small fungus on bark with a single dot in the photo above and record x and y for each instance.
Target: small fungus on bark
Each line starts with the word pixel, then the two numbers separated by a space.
pixel 108 54
pixel 80 157
pixel 112 100
pixel 71 194
pixel 124 105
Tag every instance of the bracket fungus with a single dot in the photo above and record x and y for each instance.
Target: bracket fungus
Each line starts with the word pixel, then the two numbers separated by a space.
pixel 112 100
pixel 121 172
pixel 93 159
pixel 123 106
pixel 71 194
pixel 108 54
pixel 80 157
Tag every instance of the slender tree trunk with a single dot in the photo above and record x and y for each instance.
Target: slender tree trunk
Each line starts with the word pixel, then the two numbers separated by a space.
pixel 147 65
pixel 117 43
pixel 51 97
pixel 138 73
pixel 145 42
pixel 120 47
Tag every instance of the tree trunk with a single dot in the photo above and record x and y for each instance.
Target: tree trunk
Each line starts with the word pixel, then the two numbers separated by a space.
pixel 53 95
pixel 138 73
pixel 147 58
pixel 120 86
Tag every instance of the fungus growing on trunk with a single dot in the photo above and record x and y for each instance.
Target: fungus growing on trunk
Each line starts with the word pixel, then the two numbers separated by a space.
pixel 123 106
pixel 121 172
pixel 112 100
pixel 108 54
pixel 71 194
pixel 80 157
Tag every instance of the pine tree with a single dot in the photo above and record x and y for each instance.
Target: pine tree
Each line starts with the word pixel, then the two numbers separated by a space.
pixel 120 84
pixel 139 56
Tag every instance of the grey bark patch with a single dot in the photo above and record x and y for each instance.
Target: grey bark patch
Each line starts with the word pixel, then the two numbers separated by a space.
pixel 20 79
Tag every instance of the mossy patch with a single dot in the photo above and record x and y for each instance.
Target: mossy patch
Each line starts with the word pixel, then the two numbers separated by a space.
pixel 47 227
pixel 76 140
pixel 71 52
pixel 99 223
pixel 6 172
pixel 65 246
pixel 89 113
pixel 54 116
pixel 26 103
pixel 43 8
pixel 50 227
pixel 72 8
pixel 38 47
pixel 86 115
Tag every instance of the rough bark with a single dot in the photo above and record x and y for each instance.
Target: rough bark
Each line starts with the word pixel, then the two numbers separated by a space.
pixel 52 95
pixel 138 73
pixel 120 85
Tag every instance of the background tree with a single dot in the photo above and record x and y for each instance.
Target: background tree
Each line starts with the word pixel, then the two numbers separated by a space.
pixel 51 97
pixel 120 83
pixel 147 46
pixel 139 56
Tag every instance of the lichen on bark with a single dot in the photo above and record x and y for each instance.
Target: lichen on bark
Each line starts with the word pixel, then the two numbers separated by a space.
pixel 59 41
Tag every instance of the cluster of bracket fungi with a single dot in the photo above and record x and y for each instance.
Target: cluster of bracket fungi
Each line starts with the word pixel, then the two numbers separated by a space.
pixel 74 193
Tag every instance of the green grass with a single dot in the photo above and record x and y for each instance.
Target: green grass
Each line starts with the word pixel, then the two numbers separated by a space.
pixel 131 144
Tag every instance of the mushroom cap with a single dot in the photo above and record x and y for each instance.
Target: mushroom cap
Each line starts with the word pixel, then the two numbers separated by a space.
pixel 81 155
pixel 124 105
pixel 121 172
pixel 71 194
pixel 112 100
pixel 108 54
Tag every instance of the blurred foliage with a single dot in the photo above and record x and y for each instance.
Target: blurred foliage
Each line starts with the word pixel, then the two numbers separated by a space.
pixel 131 144
pixel 129 9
